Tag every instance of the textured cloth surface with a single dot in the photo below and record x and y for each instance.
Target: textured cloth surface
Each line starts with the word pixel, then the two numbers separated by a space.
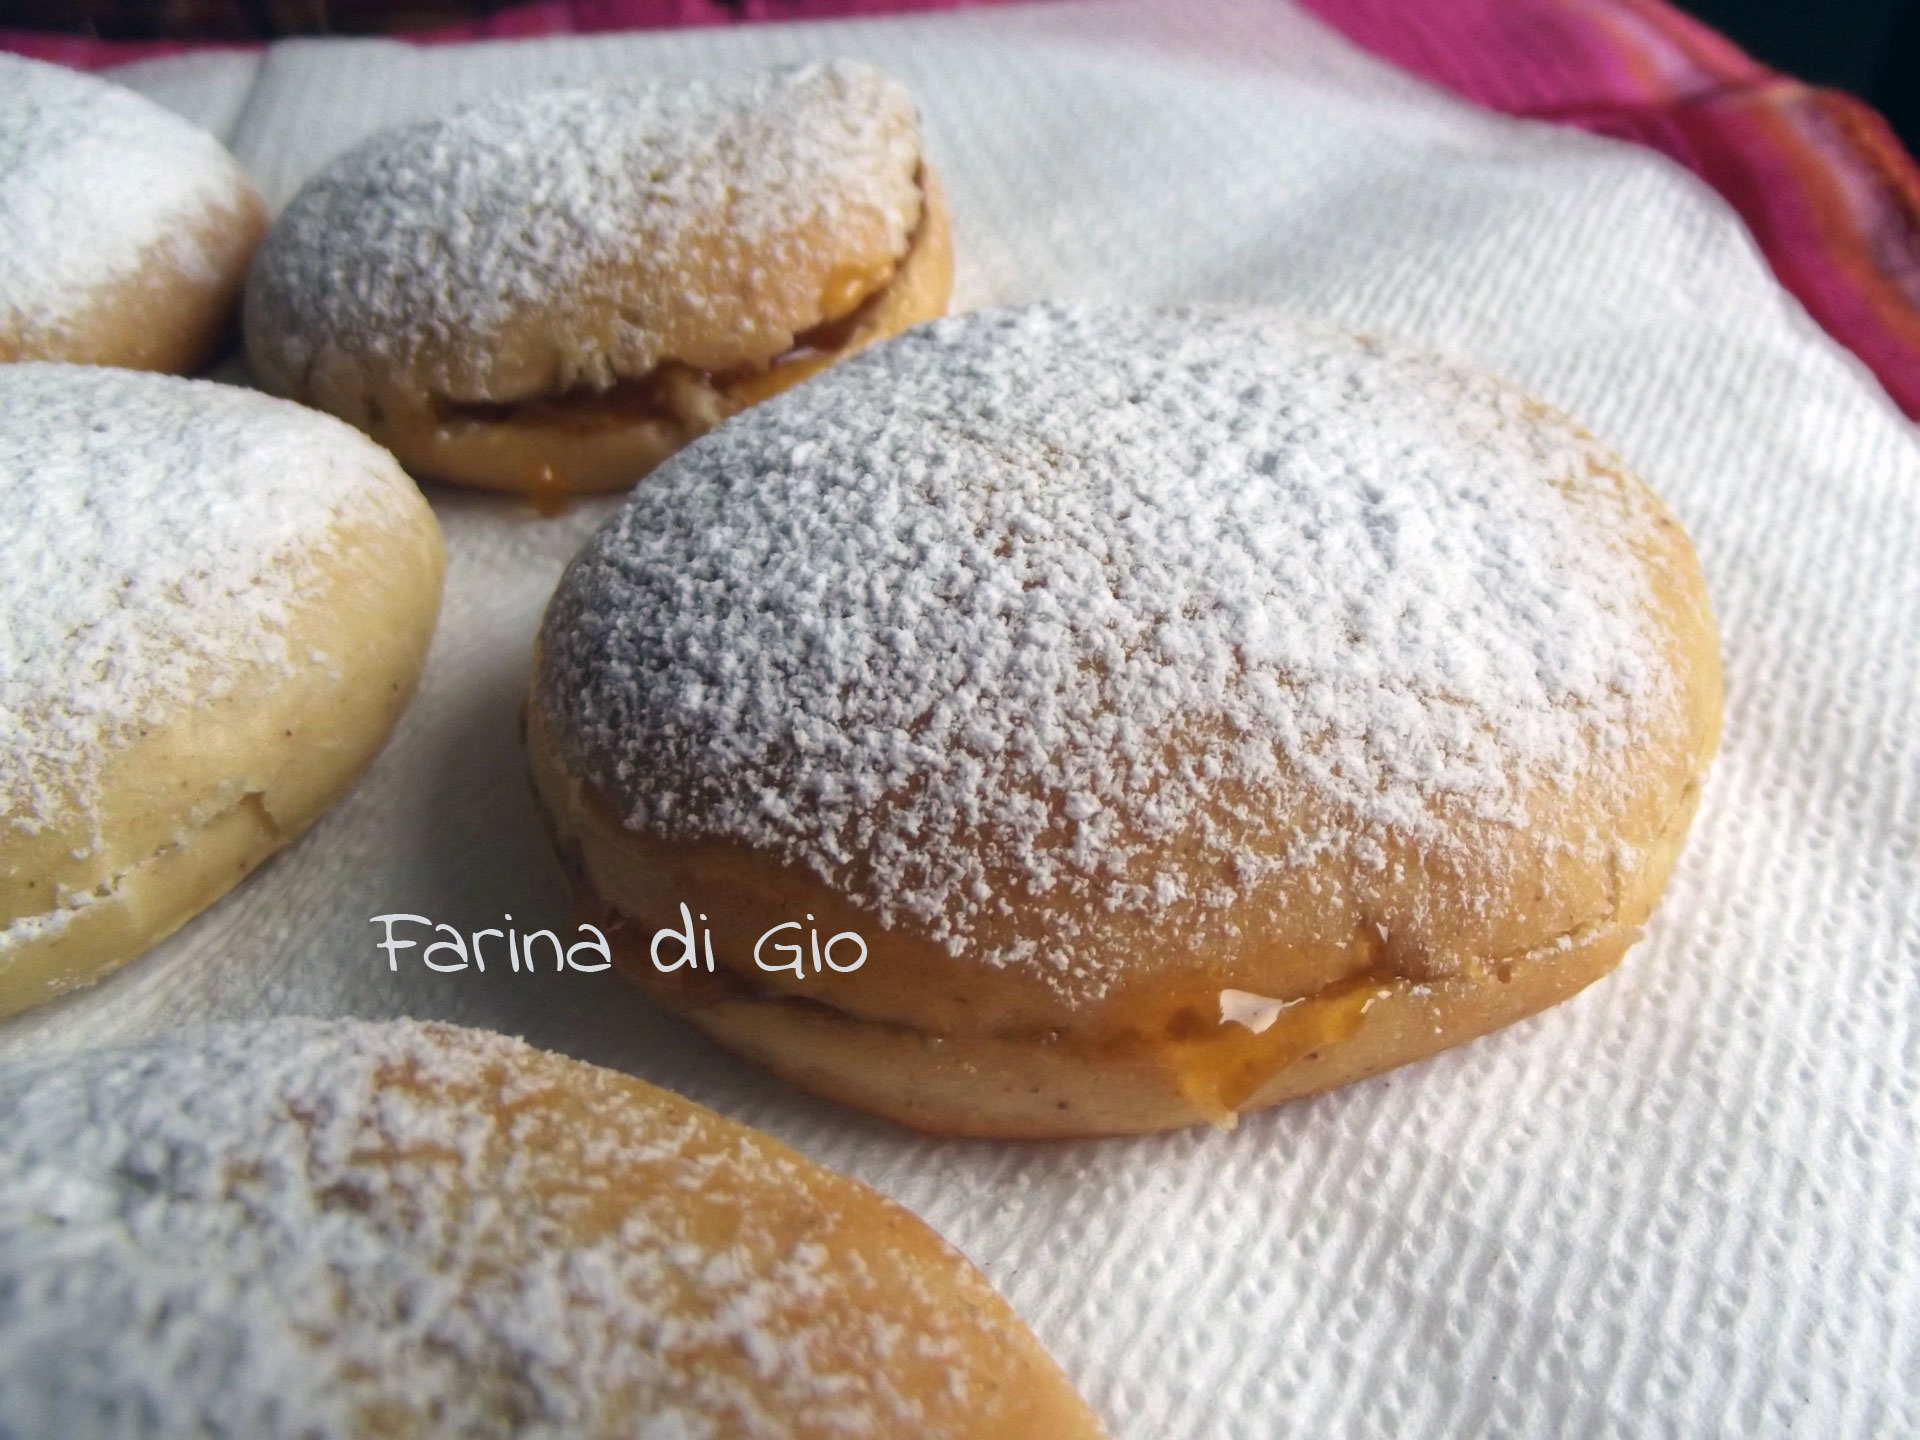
pixel 1682 1203
pixel 1819 177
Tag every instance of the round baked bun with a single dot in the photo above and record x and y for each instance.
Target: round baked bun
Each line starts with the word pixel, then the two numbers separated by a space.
pixel 1188 710
pixel 347 1228
pixel 124 230
pixel 551 294
pixel 216 605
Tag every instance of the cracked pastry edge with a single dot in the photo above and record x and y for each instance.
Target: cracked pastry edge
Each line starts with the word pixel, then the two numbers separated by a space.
pixel 301 737
pixel 73 945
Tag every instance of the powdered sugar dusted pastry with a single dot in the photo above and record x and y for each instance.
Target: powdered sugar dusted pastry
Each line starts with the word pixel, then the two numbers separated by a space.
pixel 343 1228
pixel 1189 710
pixel 215 605
pixel 124 230
pixel 551 293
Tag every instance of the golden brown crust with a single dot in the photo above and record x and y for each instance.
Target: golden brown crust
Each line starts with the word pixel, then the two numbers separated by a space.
pixel 933 1041
pixel 127 230
pixel 578 1128
pixel 164 315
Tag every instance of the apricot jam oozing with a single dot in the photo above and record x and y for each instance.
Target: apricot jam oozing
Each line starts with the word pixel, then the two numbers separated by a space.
pixel 684 395
pixel 1220 1064
pixel 546 494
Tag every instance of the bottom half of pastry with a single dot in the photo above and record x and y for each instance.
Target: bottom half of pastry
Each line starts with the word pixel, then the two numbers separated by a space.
pixel 1301 997
pixel 397 1229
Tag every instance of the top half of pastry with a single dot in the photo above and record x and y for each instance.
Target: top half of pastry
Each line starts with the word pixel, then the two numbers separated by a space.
pixel 124 230
pixel 1119 676
pixel 582 279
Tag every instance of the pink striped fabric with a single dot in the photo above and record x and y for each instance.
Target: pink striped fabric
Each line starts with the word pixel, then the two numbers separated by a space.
pixel 1830 195
pixel 1819 177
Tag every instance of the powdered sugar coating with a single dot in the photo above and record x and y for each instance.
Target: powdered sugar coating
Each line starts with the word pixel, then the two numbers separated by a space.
pixel 95 181
pixel 159 534
pixel 610 217
pixel 1093 600
pixel 288 1228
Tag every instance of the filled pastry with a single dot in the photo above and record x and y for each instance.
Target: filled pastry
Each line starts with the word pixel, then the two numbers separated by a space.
pixel 1182 710
pixel 551 293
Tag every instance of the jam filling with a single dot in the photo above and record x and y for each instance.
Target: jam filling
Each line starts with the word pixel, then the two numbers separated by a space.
pixel 671 391
pixel 1218 1065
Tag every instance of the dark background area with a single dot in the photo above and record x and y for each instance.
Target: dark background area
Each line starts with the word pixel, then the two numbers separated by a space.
pixel 1868 47
pixel 238 19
